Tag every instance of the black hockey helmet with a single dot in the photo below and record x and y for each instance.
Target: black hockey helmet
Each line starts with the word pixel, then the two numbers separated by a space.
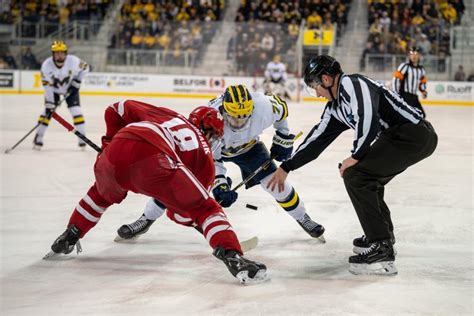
pixel 322 64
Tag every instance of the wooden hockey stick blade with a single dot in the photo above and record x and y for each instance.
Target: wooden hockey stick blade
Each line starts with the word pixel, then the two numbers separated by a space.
pixel 249 244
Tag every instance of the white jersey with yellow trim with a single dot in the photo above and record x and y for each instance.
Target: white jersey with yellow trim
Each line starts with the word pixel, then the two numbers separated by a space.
pixel 268 110
pixel 58 80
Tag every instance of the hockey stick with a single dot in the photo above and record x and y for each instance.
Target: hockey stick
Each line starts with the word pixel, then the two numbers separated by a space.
pixel 70 128
pixel 23 138
pixel 34 128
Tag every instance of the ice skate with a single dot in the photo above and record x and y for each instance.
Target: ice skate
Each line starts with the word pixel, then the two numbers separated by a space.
pixel 378 259
pixel 37 143
pixel 246 271
pixel 65 243
pixel 314 229
pixel 134 230
pixel 82 146
pixel 361 244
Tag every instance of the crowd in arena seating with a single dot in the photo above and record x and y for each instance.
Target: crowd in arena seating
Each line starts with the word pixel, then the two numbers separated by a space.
pixel 27 60
pixel 171 26
pixel 269 27
pixel 50 15
pixel 395 25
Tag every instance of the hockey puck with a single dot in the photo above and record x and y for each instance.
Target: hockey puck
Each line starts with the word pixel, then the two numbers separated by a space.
pixel 252 207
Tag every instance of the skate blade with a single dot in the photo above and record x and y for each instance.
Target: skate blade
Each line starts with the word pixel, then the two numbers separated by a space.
pixel 376 268
pixel 249 244
pixel 260 277
pixel 38 148
pixel 61 256
pixel 128 240
pixel 52 256
pixel 359 250
pixel 321 239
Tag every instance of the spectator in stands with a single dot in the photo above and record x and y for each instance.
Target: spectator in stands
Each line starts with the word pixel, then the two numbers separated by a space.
pixel 164 41
pixel 293 30
pixel 369 49
pixel 149 41
pixel 3 64
pixel 64 15
pixel 449 14
pixel 471 76
pixel 385 20
pixel 28 59
pixel 9 60
pixel 137 39
pixel 458 5
pixel 460 75
pixel 425 45
pixel 177 57
pixel 268 43
pixel 314 21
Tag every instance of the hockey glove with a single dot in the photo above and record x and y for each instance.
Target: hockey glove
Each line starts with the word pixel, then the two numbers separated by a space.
pixel 105 142
pixel 282 146
pixel 74 87
pixel 49 108
pixel 222 192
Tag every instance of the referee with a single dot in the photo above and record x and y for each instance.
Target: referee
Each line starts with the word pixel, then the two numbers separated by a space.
pixel 389 136
pixel 409 78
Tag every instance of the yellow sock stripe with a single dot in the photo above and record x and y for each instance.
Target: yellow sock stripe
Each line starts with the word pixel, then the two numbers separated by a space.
pixel 291 202
pixel 284 106
pixel 78 120
pixel 42 119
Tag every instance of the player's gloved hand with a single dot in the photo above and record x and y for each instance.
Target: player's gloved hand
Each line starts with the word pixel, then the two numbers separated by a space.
pixel 222 192
pixel 74 87
pixel 105 142
pixel 49 108
pixel 282 146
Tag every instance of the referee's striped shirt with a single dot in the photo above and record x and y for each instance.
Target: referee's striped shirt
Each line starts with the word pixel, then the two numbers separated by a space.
pixel 362 104
pixel 409 78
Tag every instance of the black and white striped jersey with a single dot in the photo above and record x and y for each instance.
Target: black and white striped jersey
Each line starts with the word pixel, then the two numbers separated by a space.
pixel 362 104
pixel 409 78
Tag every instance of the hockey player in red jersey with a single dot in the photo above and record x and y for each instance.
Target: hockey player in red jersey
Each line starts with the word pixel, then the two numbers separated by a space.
pixel 159 153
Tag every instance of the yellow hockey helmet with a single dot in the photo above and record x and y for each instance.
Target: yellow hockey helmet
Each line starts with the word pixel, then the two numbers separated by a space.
pixel 238 102
pixel 58 46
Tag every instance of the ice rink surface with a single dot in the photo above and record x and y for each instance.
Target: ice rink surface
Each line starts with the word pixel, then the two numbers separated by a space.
pixel 170 270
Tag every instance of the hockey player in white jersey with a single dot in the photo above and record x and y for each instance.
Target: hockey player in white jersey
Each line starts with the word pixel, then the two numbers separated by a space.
pixel 246 116
pixel 275 78
pixel 61 75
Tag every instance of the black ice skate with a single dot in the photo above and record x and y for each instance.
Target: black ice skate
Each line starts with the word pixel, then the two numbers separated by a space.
pixel 65 243
pixel 37 144
pixel 246 271
pixel 361 244
pixel 314 229
pixel 378 259
pixel 82 146
pixel 134 230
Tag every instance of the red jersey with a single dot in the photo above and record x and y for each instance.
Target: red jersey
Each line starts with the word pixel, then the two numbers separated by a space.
pixel 165 129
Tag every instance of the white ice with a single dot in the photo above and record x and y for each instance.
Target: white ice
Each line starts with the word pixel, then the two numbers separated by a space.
pixel 170 270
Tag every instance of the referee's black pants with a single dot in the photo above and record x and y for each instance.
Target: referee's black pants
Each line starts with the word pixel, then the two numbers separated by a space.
pixel 413 100
pixel 396 149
